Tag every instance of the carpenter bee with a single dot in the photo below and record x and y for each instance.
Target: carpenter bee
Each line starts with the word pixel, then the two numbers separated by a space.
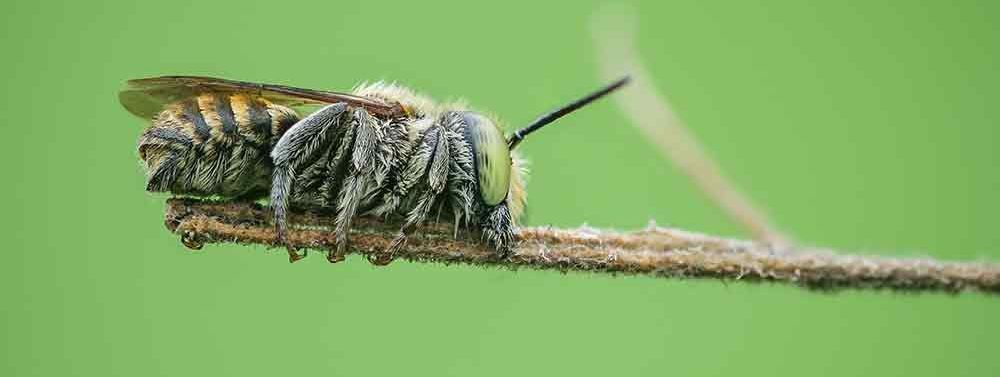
pixel 382 150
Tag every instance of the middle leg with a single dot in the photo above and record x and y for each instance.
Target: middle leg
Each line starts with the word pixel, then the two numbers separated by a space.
pixel 365 171
pixel 427 171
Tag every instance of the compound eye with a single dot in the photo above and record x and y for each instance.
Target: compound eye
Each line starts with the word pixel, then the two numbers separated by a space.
pixel 491 157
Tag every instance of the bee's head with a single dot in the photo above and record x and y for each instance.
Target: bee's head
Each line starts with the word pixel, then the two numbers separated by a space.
pixel 491 157
pixel 492 153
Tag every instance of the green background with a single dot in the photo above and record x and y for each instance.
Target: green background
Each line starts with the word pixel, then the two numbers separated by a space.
pixel 864 127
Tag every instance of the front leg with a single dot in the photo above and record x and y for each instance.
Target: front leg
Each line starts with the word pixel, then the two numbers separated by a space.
pixel 498 228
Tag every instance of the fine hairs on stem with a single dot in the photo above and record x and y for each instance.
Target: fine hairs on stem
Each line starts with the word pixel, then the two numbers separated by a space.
pixel 655 251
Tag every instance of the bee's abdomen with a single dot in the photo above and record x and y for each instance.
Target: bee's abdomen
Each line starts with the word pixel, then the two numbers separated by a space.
pixel 213 144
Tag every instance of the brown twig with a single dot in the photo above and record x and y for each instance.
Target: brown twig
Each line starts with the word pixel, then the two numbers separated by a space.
pixel 656 252
pixel 613 29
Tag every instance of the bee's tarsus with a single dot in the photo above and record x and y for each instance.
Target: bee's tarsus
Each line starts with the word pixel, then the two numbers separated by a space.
pixel 398 242
pixel 191 241
pixel 335 256
pixel 294 256
pixel 380 259
pixel 385 257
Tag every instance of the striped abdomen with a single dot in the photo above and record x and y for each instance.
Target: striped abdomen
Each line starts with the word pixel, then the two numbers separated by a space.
pixel 214 144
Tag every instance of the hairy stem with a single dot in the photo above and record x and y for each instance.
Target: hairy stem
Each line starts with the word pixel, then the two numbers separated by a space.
pixel 655 251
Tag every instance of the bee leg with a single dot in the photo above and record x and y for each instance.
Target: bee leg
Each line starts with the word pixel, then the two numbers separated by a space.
pixel 409 175
pixel 395 150
pixel 298 145
pixel 498 228
pixel 432 164
pixel 337 167
pixel 361 173
pixel 462 189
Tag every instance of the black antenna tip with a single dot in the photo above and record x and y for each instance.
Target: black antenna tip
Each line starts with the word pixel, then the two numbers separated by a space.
pixel 559 113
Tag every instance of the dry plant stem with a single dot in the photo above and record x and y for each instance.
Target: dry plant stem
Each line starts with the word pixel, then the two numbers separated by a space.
pixel 655 252
pixel 652 113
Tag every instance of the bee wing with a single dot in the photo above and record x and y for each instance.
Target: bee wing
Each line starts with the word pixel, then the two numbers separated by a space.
pixel 146 97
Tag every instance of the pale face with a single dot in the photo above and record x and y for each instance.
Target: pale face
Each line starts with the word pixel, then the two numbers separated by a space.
pixel 492 157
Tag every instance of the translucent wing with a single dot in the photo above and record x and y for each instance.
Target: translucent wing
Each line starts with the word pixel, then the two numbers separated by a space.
pixel 146 97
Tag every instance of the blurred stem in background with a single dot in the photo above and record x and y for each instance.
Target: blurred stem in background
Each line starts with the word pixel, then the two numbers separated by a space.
pixel 613 27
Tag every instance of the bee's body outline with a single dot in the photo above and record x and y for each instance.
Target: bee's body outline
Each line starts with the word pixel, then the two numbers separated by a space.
pixel 382 150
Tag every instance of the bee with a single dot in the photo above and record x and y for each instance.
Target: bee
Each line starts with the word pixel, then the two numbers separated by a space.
pixel 381 150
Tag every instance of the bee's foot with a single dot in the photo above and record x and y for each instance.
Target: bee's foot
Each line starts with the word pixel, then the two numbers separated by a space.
pixel 294 255
pixel 504 253
pixel 397 243
pixel 191 241
pixel 335 257
pixel 380 259
pixel 386 257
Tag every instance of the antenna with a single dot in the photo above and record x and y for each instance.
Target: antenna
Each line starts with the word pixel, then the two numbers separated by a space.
pixel 552 116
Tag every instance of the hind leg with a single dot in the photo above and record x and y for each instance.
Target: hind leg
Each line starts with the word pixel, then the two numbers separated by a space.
pixel 302 144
